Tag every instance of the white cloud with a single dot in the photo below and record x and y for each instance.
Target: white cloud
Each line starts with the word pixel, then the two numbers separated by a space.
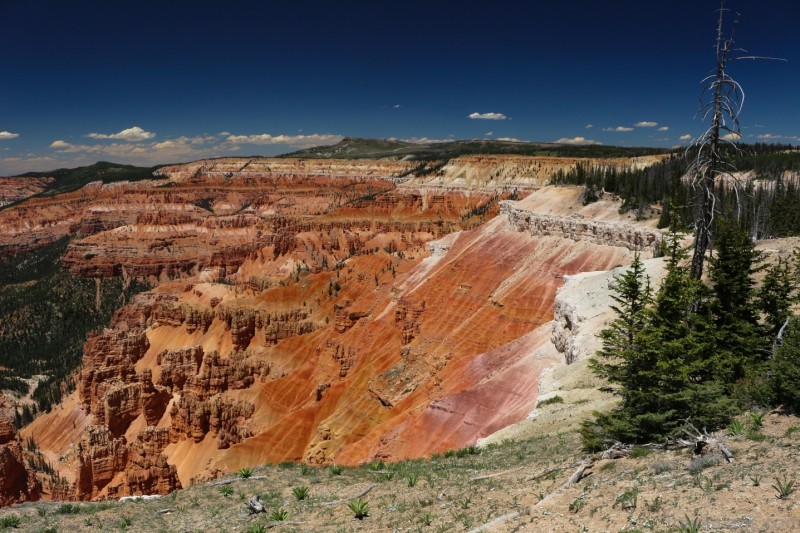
pixel 618 128
pixel 487 116
pixel 397 106
pixel 646 124
pixel 773 137
pixel 424 140
pixel 489 133
pixel 8 135
pixel 17 165
pixel 510 139
pixel 576 140
pixel 732 136
pixel 304 141
pixel 685 137
pixel 589 126
pixel 663 128
pixel 130 134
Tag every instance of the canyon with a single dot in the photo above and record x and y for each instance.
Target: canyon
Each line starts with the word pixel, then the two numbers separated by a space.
pixel 314 311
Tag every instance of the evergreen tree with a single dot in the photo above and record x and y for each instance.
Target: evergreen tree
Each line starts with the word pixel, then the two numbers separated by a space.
pixel 775 296
pixel 740 340
pixel 632 296
pixel 785 369
pixel 662 372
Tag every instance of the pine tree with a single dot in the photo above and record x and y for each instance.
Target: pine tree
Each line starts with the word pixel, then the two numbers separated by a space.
pixel 785 369
pixel 662 373
pixel 740 339
pixel 632 296
pixel 775 296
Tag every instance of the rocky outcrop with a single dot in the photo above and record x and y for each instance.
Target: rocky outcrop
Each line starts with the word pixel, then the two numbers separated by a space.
pixel 498 172
pixel 19 188
pixel 147 470
pixel 177 366
pixel 345 318
pixel 583 309
pixel 370 320
pixel 17 482
pixel 578 228
pixel 144 469
pixel 225 419
pixel 109 386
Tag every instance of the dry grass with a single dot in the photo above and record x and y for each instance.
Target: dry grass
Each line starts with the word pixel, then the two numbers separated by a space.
pixel 463 490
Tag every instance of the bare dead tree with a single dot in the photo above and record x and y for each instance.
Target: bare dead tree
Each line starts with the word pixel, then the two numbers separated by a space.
pixel 722 99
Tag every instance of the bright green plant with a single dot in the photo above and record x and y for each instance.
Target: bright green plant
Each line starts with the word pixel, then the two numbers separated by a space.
pixel 641 452
pixel 279 515
pixel 301 493
pixel 245 473
pixel 550 401
pixel 577 504
pixel 68 508
pixel 7 522
pixel 689 526
pixel 628 499
pixel 226 490
pixel 756 421
pixel 735 428
pixel 784 487
pixel 412 479
pixel 336 470
pixel 360 509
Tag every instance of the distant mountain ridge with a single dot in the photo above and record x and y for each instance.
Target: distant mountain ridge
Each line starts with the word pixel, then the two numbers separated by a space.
pixel 365 148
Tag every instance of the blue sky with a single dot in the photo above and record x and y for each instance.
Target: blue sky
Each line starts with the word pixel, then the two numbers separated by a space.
pixel 154 82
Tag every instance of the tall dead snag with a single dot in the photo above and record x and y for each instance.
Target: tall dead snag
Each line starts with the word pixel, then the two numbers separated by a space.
pixel 722 99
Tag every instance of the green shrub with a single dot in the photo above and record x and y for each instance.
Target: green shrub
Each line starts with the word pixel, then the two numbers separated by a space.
pixel 301 493
pixel 689 526
pixel 279 515
pixel 245 473
pixel 7 522
pixel 785 488
pixel 226 490
pixel 640 452
pixel 359 508
pixel 550 401
pixel 68 508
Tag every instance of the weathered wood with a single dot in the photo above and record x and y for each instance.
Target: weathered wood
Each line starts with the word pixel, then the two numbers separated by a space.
pixel 580 473
pixel 504 472
pixel 270 525
pixel 546 473
pixel 165 511
pixel 357 496
pixel 255 506
pixel 497 521
pixel 230 481
pixel 726 453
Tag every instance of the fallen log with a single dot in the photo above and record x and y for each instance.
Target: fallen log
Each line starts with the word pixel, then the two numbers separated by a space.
pixel 255 506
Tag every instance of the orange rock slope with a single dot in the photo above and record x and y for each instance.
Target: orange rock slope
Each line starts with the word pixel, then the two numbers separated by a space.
pixel 387 324
pixel 17 483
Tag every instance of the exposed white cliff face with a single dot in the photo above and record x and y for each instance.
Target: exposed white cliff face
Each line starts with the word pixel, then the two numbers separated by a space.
pixel 578 228
pixel 583 309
